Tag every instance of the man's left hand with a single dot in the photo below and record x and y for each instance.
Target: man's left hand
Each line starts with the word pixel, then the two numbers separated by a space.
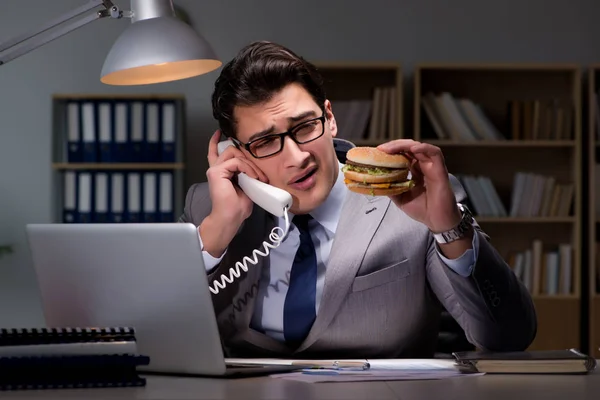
pixel 431 201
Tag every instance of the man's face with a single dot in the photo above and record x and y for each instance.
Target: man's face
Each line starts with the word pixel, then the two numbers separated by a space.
pixel 306 171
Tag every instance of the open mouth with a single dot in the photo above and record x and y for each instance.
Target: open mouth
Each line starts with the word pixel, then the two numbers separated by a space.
pixel 307 176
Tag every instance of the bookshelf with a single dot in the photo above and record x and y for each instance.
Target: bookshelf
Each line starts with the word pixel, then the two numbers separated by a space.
pixel 512 134
pixel 118 158
pixel 366 99
pixel 593 144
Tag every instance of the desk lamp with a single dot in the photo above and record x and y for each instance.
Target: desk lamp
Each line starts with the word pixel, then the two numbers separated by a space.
pixel 157 47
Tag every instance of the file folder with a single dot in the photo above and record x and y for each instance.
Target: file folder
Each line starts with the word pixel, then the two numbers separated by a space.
pixel 168 132
pixel 89 135
pixel 137 132
pixel 73 126
pixel 105 132
pixel 122 147
pixel 152 129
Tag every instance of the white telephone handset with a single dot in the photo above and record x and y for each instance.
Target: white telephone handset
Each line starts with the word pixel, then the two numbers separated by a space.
pixel 273 200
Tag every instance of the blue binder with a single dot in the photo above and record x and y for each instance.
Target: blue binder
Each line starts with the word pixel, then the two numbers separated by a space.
pixel 73 129
pixel 168 132
pixel 105 131
pixel 122 147
pixel 85 197
pixel 89 131
pixel 118 197
pixel 136 132
pixel 166 211
pixel 151 152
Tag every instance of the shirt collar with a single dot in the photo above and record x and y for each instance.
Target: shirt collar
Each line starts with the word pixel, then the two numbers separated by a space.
pixel 328 213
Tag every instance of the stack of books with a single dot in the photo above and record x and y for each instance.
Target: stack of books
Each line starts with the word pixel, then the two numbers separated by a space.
pixel 58 358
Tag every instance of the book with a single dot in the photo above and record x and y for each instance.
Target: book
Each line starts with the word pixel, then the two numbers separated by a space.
pixel 568 361
pixel 67 341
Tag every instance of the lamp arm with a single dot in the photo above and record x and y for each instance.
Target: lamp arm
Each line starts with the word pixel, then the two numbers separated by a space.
pixel 17 46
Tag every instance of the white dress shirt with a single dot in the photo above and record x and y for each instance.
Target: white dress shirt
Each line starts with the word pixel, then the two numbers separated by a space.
pixel 268 311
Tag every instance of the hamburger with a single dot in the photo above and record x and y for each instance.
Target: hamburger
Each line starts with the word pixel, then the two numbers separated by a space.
pixel 374 172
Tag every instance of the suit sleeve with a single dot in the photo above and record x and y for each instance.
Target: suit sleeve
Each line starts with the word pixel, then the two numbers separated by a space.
pixel 196 193
pixel 492 305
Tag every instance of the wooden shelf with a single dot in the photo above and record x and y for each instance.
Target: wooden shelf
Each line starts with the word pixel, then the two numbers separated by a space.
pixel 503 143
pixel 567 297
pixel 101 96
pixel 361 90
pixel 515 130
pixel 526 220
pixel 593 144
pixel 118 166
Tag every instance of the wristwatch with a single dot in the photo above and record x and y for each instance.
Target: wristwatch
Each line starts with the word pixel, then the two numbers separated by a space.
pixel 460 230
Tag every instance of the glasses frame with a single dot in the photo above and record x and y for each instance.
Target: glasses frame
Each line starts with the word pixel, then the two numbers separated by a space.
pixel 281 137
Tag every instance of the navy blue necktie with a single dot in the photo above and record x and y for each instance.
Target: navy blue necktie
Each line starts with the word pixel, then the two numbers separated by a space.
pixel 299 310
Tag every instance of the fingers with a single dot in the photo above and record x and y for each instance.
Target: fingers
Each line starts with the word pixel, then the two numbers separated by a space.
pixel 213 152
pixel 230 167
pixel 397 146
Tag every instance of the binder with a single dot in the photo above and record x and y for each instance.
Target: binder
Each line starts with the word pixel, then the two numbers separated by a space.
pixel 136 139
pixel 568 361
pixel 166 213
pixel 70 197
pixel 152 129
pixel 117 195
pixel 52 358
pixel 122 148
pixel 168 132
pixel 150 197
pixel 73 126
pixel 89 134
pixel 134 197
pixel 105 131
pixel 101 198
pixel 84 197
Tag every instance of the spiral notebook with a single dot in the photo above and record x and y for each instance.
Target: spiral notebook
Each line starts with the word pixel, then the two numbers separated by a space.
pixel 67 341
pixel 52 358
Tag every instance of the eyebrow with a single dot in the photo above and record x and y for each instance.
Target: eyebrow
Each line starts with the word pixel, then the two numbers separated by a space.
pixel 296 118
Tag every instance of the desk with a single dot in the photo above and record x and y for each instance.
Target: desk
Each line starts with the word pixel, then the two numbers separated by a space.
pixel 488 387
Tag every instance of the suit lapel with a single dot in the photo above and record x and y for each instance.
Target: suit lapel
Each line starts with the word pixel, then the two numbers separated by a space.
pixel 359 220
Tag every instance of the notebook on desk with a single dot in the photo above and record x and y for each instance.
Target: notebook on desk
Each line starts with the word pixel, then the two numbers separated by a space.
pixel 527 362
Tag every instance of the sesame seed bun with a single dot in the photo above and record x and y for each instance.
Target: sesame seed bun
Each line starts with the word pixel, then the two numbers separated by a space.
pixel 373 156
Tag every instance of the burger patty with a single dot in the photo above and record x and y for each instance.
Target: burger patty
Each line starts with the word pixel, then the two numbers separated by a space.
pixel 367 169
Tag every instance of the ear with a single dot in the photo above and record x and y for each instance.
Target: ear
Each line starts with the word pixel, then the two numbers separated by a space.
pixel 330 119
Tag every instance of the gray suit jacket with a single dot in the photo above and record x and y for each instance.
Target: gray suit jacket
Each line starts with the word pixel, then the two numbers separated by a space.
pixel 384 288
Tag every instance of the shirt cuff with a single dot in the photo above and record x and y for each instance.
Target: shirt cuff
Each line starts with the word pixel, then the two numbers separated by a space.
pixel 210 262
pixel 464 264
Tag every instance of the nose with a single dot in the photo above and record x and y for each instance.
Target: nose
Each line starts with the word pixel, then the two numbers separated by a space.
pixel 294 155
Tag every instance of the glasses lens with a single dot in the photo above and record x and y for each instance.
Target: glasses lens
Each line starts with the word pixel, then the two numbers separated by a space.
pixel 309 131
pixel 266 146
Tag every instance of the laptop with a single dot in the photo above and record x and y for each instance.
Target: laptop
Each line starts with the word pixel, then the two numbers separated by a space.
pixel 149 276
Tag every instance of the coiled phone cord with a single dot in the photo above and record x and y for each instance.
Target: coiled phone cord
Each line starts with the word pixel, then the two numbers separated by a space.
pixel 277 235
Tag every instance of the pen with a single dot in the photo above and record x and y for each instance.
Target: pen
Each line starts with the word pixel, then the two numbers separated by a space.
pixel 360 365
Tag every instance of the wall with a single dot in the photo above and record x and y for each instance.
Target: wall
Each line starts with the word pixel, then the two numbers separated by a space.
pixel 405 31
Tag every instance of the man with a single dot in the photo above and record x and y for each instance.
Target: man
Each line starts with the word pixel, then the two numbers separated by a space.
pixel 369 279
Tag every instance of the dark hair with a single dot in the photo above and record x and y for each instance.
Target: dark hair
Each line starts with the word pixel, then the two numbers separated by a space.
pixel 260 70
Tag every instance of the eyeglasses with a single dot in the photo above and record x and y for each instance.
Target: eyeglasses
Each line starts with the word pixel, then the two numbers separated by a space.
pixel 266 146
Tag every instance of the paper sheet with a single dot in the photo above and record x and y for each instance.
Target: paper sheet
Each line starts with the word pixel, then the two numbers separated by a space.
pixel 370 375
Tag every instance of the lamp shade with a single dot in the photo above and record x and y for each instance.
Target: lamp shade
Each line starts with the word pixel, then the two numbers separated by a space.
pixel 158 50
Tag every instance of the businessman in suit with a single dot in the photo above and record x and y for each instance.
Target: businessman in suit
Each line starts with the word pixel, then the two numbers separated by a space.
pixel 356 276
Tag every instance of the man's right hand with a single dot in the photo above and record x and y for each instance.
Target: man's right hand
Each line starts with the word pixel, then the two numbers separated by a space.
pixel 230 205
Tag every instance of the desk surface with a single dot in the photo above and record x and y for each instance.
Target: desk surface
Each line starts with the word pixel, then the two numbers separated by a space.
pixel 488 387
